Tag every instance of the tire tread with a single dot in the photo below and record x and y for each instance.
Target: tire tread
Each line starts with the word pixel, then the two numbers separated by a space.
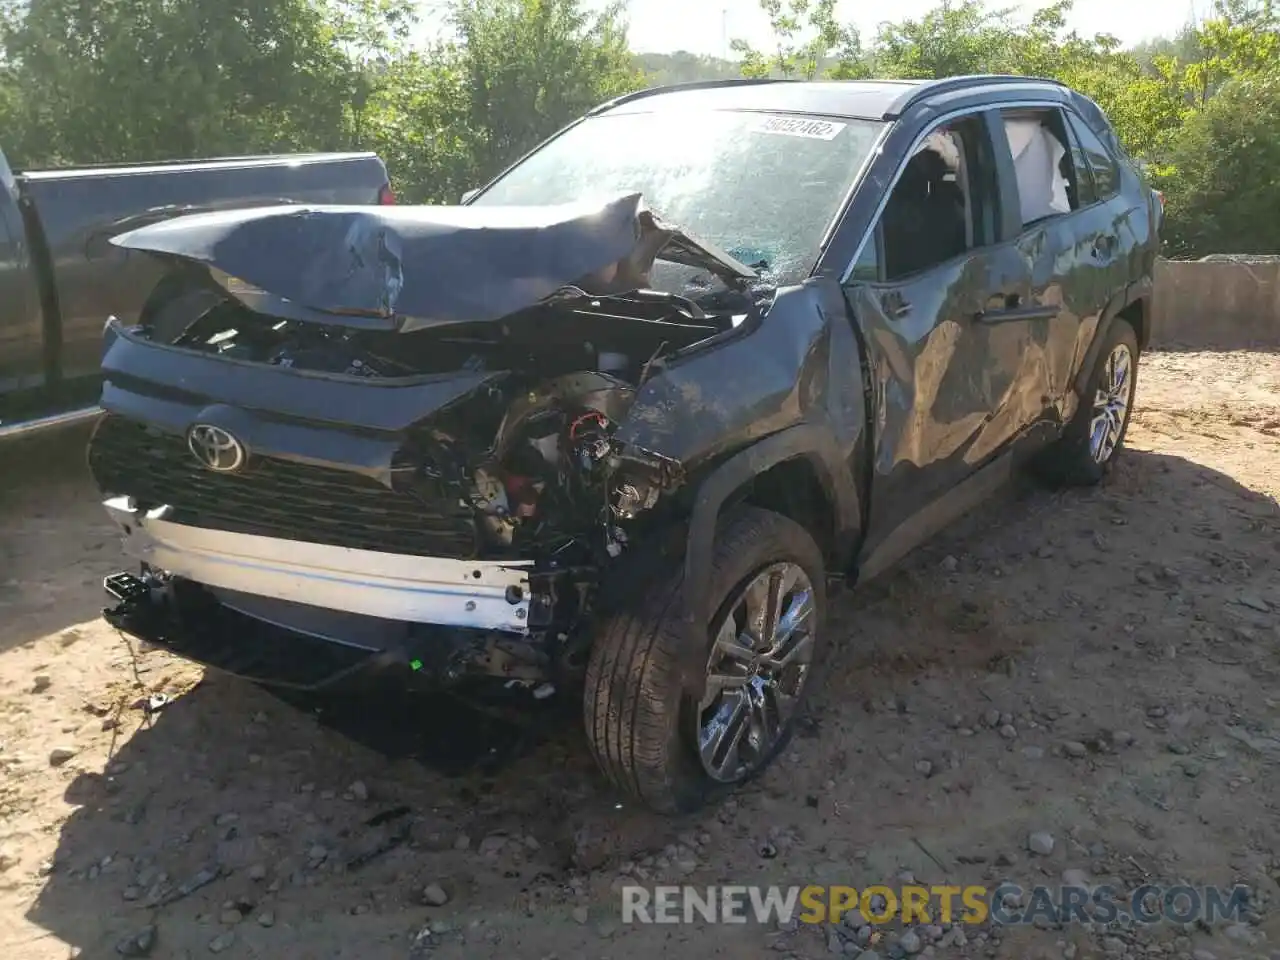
pixel 632 697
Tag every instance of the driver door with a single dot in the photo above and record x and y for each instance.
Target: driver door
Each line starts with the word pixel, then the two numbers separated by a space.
pixel 943 302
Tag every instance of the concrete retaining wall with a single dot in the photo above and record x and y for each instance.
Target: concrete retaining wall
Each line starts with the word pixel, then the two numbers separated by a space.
pixel 1221 304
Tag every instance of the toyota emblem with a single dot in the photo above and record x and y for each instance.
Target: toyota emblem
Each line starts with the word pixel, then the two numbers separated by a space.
pixel 216 448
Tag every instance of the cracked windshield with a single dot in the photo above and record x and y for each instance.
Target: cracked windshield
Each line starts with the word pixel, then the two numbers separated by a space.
pixel 759 186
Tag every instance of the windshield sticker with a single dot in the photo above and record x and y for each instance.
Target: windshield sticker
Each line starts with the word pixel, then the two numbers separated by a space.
pixel 800 127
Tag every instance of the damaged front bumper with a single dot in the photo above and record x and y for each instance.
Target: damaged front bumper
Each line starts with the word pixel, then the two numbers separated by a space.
pixel 305 616
pixel 188 620
pixel 478 594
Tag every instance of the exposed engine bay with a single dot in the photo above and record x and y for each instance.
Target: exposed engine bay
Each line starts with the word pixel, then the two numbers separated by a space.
pixel 533 453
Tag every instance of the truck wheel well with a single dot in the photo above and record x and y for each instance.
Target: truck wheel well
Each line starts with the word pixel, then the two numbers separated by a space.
pixel 792 488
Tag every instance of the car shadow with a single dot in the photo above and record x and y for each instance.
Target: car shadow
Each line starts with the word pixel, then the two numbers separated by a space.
pixel 1086 545
pixel 230 798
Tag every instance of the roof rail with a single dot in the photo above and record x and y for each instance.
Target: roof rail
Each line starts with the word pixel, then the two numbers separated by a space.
pixel 929 88
pixel 676 87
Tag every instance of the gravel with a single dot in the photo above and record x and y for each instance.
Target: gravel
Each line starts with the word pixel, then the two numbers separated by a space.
pixel 139 944
pixel 222 942
pixel 1040 843
pixel 910 942
pixel 60 755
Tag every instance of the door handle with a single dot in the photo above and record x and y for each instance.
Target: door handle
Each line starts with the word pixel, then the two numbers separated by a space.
pixel 895 306
pixel 1103 245
pixel 1015 308
pixel 998 307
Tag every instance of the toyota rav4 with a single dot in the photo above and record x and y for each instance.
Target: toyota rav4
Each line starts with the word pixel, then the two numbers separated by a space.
pixel 608 428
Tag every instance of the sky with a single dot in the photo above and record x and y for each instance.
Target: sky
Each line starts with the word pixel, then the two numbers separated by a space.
pixel 706 26
pixel 701 26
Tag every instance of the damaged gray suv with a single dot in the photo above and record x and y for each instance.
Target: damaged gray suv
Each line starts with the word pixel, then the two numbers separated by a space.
pixel 609 428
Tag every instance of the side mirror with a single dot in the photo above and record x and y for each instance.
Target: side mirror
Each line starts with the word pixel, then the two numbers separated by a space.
pixel 470 195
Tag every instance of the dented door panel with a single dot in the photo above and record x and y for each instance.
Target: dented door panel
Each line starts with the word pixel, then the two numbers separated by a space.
pixel 1053 253
pixel 1112 246
pixel 958 360
pixel 1082 264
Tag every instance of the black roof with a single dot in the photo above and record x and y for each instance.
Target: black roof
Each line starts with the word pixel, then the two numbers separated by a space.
pixel 855 99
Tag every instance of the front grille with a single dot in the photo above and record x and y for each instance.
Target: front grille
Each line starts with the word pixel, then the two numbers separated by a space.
pixel 275 498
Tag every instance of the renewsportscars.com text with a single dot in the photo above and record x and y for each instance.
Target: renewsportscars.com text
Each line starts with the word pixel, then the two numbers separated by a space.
pixel 1007 904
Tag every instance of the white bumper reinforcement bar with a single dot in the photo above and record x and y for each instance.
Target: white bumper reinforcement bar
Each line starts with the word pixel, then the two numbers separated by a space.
pixel 460 593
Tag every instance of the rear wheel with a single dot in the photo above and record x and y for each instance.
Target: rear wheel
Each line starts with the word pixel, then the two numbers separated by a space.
pixel 1095 435
pixel 762 645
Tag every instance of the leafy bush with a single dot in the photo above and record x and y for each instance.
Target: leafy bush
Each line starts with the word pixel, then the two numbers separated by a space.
pixel 1222 176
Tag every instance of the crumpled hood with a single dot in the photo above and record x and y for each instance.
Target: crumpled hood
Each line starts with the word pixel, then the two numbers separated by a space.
pixel 411 267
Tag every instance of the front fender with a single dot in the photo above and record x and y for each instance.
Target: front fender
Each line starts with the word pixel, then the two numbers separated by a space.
pixel 784 388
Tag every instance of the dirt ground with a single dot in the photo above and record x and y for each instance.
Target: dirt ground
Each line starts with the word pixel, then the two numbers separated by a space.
pixel 1100 666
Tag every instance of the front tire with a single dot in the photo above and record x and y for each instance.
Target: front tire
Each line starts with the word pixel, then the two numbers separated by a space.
pixel 653 742
pixel 1096 434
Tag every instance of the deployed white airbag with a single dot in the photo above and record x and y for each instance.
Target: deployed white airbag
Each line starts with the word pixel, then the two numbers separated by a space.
pixel 1037 155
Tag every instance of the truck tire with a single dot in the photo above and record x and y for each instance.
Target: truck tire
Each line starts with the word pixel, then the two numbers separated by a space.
pixel 1094 437
pixel 653 742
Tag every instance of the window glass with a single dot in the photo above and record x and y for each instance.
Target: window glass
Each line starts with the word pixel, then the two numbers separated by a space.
pixel 1086 194
pixel 1106 175
pixel 941 205
pixel 866 269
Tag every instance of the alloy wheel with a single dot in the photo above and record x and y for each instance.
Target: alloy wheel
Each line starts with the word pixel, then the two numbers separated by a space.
pixel 1111 404
pixel 757 669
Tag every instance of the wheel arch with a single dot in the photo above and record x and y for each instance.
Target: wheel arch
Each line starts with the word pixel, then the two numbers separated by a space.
pixel 797 489
pixel 1137 311
pixel 777 473
pixel 1134 307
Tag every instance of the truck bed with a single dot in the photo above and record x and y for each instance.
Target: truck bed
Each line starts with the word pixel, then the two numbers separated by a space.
pixel 71 278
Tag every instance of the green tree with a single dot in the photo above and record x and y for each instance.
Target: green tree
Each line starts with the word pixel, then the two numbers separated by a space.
pixel 531 66
pixel 684 67
pixel 372 35
pixel 130 80
pixel 419 123
pixel 1222 194
pixel 1183 47
pixel 1145 106
pixel 1256 14
pixel 119 80
pixel 950 40
pixel 1242 41
pixel 807 42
